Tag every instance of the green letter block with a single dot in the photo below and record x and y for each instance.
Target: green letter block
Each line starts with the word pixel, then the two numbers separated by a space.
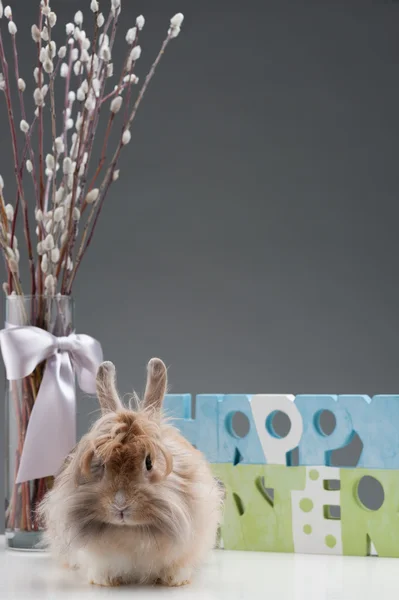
pixel 360 526
pixel 252 521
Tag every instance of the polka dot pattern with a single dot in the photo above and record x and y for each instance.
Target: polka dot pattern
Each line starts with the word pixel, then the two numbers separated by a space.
pixel 306 505
pixel 307 529
pixel 330 541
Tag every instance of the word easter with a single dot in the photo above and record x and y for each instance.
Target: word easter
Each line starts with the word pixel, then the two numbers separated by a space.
pixel 274 508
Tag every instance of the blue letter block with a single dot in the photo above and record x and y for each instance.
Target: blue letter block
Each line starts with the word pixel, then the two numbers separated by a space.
pixel 315 447
pixel 376 421
pixel 178 408
pixel 232 448
pixel 207 418
pixel 202 431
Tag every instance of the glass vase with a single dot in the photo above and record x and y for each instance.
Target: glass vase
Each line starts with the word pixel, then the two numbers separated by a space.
pixel 56 315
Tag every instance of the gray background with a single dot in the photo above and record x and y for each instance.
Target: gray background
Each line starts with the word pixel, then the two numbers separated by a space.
pixel 252 241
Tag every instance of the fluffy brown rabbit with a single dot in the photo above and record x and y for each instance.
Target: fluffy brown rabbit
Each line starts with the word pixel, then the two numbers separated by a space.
pixel 134 502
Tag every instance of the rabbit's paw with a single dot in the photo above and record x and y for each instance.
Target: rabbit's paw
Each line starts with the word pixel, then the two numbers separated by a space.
pixel 176 576
pixel 70 566
pixel 102 580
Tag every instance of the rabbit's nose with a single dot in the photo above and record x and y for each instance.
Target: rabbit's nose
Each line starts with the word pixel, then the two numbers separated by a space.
pixel 121 515
pixel 120 500
pixel 120 509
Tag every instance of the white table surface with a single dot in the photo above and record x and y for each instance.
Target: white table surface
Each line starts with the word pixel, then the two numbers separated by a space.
pixel 227 576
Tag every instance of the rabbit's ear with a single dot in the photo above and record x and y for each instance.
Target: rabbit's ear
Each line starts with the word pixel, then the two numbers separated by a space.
pixel 106 388
pixel 157 381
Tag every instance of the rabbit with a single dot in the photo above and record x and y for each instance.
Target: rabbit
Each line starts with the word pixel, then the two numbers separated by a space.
pixel 134 502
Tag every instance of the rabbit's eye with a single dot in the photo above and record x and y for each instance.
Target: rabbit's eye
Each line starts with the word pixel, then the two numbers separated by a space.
pixel 148 462
pixel 97 467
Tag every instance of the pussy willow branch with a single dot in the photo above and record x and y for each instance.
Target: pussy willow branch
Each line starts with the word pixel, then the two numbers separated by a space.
pixel 40 84
pixel 70 241
pixel 62 228
pixel 4 223
pixel 53 125
pixel 147 80
pixel 3 215
pixel 17 201
pixel 40 283
pixel 93 214
pixel 66 101
pixel 23 111
pixel 93 128
pixel 111 119
pixel 64 249
pixel 13 226
pixel 96 209
pixel 102 157
pixel 90 137
pixel 129 88
pixel 16 162
pixel 70 238
pixel 102 75
pixel 14 275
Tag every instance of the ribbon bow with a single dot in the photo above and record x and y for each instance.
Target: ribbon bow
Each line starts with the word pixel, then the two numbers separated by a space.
pixel 51 432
